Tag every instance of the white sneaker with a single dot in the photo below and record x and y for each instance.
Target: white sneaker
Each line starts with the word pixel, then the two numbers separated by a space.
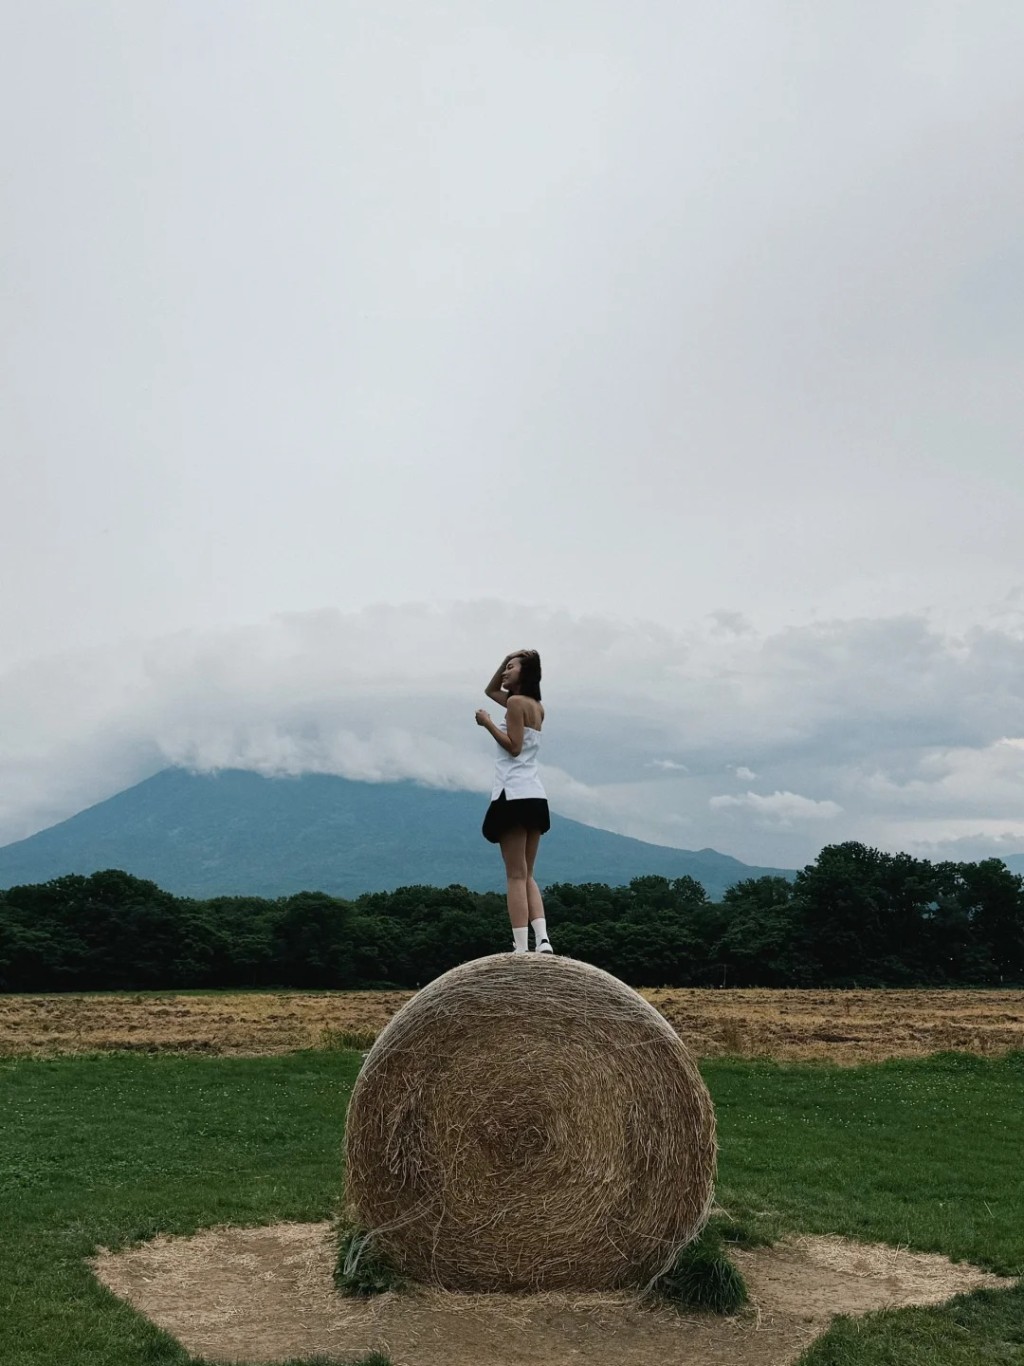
pixel 544 947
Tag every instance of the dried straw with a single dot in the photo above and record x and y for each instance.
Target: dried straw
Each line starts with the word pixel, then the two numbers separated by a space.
pixel 527 1122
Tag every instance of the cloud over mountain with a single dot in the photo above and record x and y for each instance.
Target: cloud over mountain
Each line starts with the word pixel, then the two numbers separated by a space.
pixel 897 731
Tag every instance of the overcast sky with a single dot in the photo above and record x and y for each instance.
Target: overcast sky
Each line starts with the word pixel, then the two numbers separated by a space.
pixel 346 347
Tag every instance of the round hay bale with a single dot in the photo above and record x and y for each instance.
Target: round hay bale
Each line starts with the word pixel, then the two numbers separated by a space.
pixel 527 1122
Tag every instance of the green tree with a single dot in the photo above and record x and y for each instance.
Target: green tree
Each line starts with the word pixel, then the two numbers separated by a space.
pixel 758 944
pixel 983 906
pixel 842 905
pixel 311 941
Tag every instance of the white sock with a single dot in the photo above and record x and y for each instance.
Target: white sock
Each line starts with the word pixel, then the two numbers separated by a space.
pixel 520 937
pixel 540 930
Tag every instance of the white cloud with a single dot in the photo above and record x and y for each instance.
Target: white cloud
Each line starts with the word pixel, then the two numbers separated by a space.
pixel 956 780
pixel 384 754
pixel 906 734
pixel 782 808
pixel 381 694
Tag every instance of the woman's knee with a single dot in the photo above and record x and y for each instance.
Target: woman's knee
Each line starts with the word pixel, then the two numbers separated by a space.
pixel 513 853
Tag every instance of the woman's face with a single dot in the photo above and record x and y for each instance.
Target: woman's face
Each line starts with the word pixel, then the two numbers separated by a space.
pixel 510 675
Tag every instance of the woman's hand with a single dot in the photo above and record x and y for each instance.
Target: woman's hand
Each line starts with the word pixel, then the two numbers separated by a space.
pixel 483 718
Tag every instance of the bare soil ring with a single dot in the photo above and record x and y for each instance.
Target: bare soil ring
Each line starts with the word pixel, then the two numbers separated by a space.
pixel 266 1294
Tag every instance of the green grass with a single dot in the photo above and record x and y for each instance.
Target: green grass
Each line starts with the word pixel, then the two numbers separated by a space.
pixel 983 1329
pixel 105 1150
pixel 360 1268
pixel 924 1153
pixel 703 1277
pixel 928 1154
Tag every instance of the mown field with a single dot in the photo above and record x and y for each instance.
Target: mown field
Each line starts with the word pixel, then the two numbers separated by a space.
pixel 841 1027
pixel 103 1148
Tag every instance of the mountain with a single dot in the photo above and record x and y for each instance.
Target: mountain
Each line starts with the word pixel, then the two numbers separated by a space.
pixel 233 832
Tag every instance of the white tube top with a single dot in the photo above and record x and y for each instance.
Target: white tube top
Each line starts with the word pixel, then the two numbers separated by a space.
pixel 517 774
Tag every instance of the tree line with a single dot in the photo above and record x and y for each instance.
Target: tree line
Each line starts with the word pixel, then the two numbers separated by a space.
pixel 855 917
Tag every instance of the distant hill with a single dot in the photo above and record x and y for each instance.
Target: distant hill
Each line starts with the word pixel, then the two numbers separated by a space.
pixel 205 835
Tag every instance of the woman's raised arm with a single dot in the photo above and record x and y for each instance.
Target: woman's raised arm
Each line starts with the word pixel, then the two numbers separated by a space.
pixel 494 689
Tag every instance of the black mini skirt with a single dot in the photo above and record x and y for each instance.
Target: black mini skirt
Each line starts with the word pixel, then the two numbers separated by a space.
pixel 522 813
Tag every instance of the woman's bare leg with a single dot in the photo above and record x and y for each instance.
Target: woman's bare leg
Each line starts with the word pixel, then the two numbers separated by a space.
pixel 513 851
pixel 533 896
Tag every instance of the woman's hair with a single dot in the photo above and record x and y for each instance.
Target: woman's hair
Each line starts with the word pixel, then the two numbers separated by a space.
pixel 529 675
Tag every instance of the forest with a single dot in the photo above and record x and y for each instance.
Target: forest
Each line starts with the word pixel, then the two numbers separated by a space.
pixel 855 917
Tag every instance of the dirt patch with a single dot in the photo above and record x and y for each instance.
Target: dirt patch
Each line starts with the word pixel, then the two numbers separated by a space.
pixel 835 1026
pixel 266 1294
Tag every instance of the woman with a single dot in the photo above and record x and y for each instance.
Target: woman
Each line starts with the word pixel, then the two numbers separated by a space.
pixel 518 813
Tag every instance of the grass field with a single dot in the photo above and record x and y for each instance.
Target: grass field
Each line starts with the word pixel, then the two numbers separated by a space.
pixel 101 1150
pixel 843 1027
